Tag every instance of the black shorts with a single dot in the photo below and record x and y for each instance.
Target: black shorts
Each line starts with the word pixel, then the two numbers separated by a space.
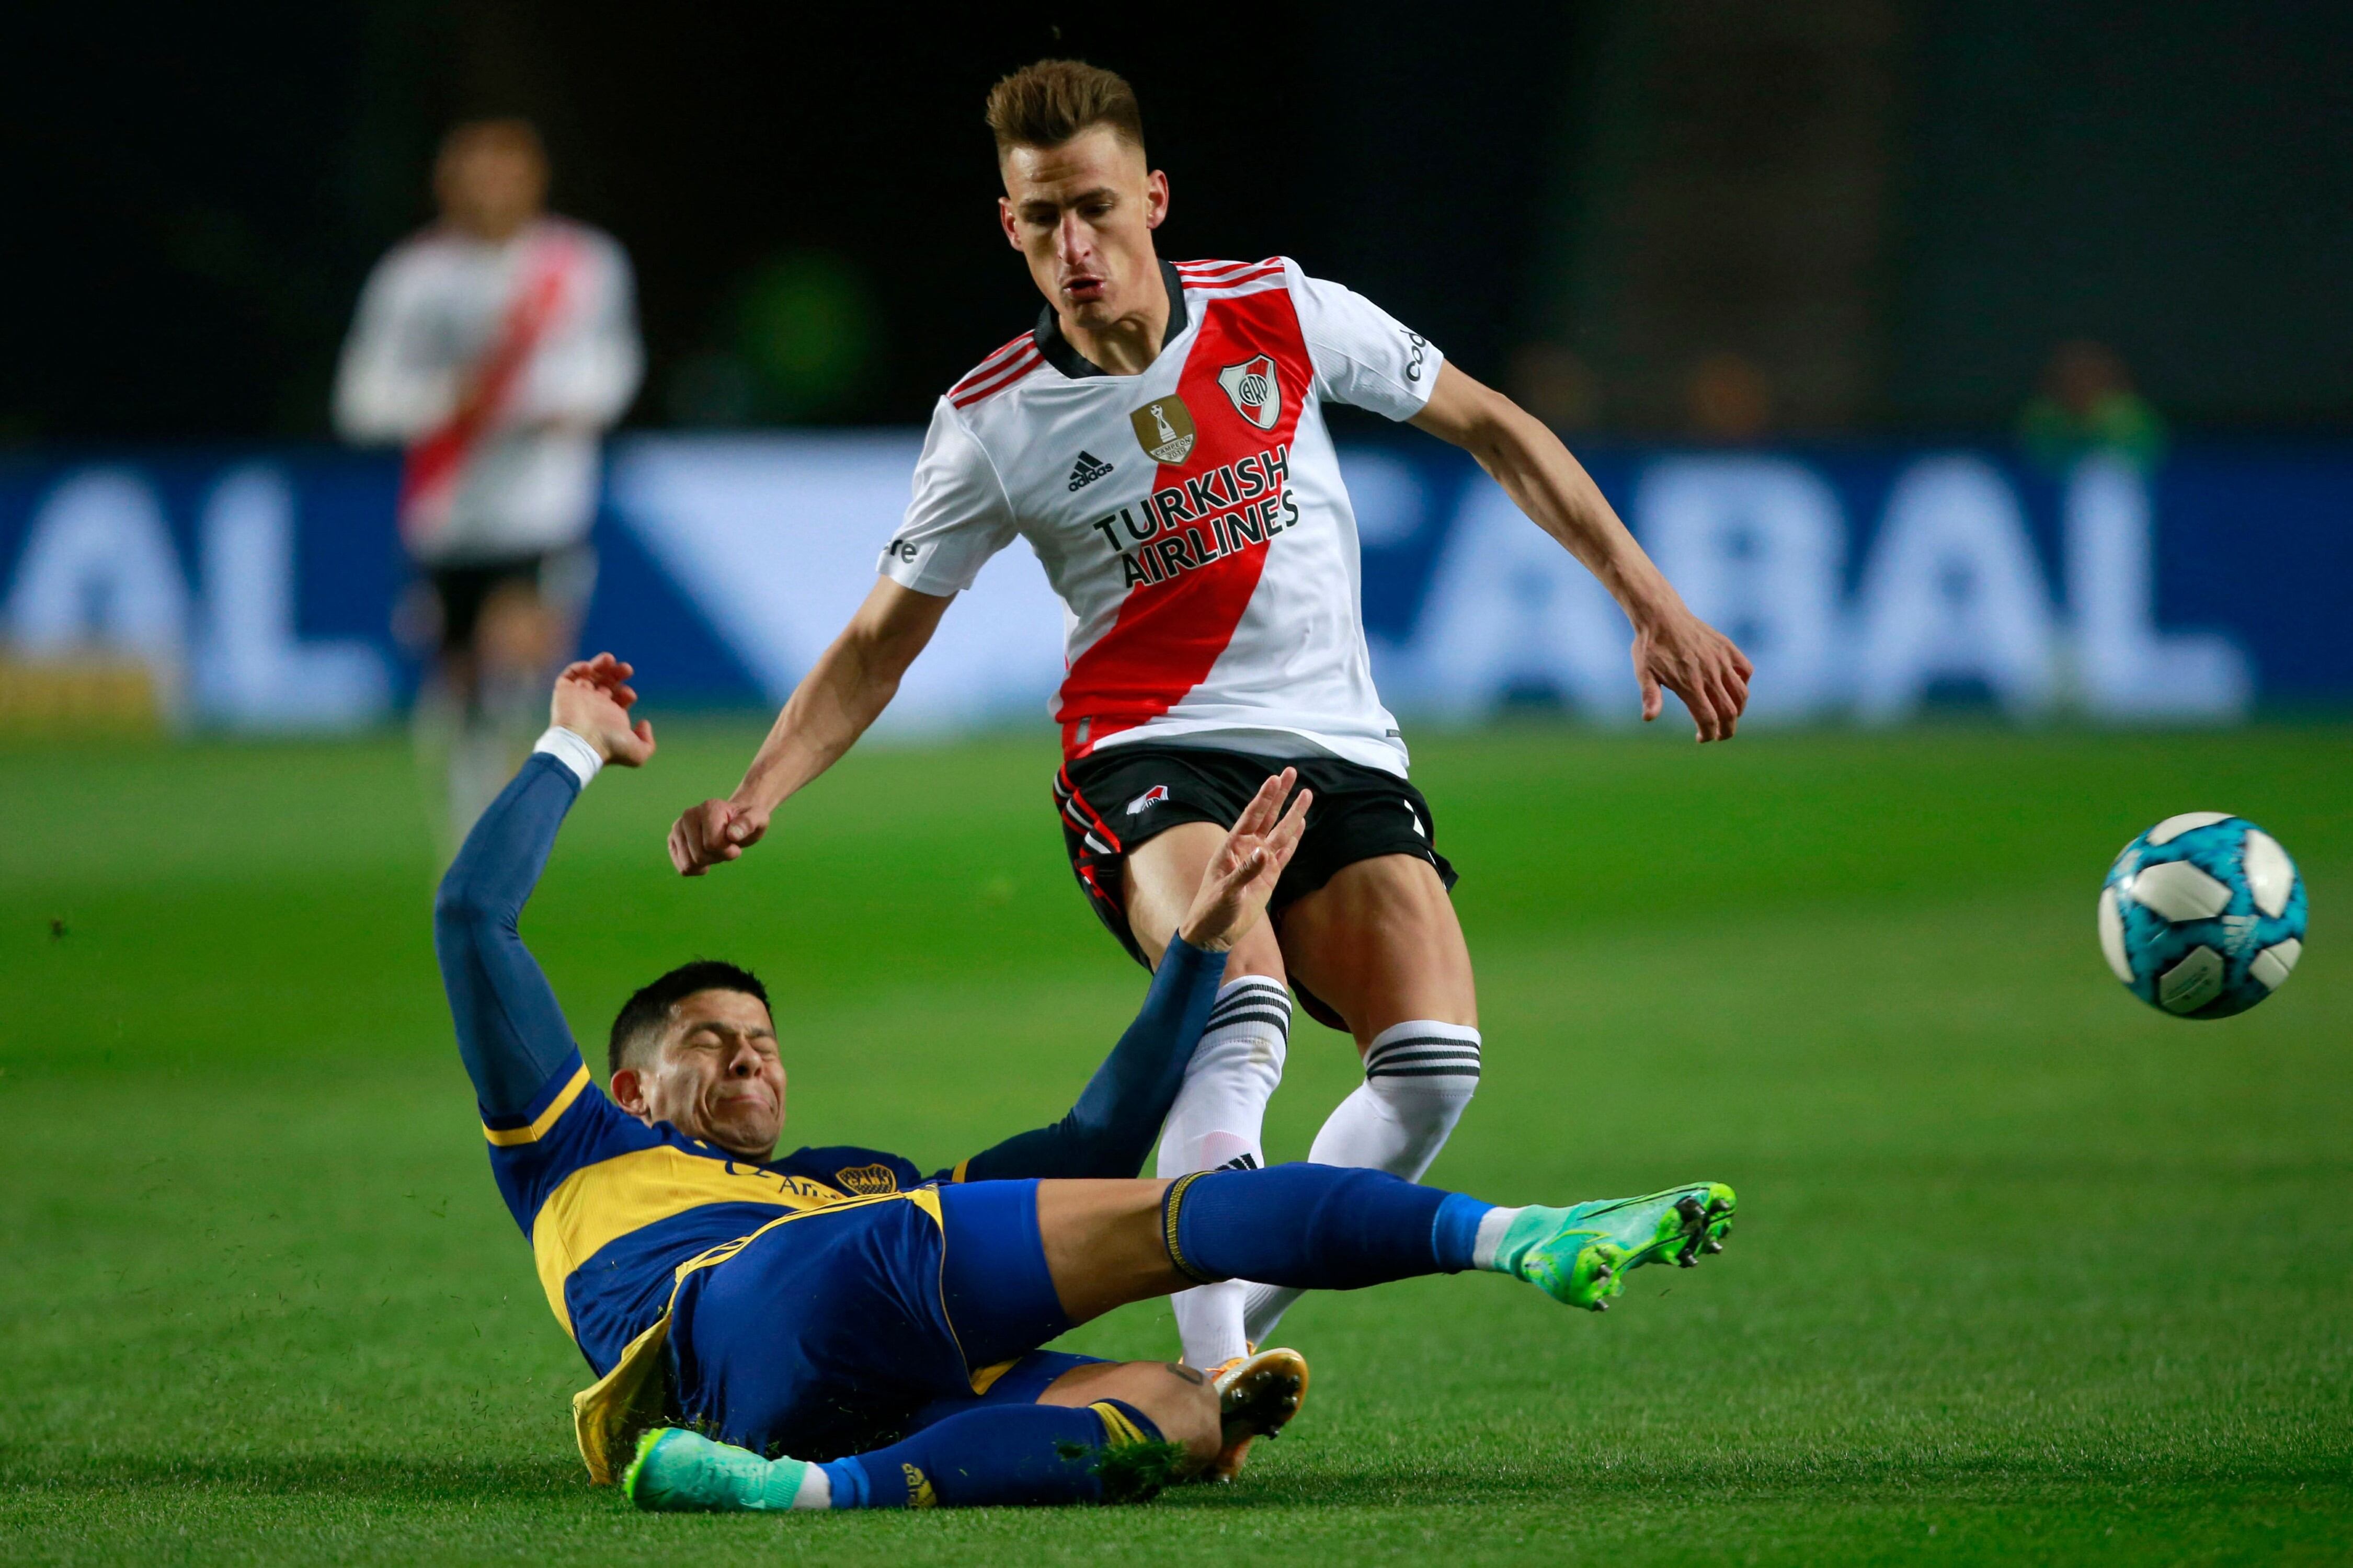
pixel 1119 796
pixel 557 577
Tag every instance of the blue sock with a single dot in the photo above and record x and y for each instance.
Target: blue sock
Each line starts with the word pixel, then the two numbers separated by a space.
pixel 998 1455
pixel 1454 1234
pixel 1318 1228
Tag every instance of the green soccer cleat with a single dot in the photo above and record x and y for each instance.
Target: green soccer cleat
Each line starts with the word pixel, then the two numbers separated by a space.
pixel 677 1471
pixel 1582 1255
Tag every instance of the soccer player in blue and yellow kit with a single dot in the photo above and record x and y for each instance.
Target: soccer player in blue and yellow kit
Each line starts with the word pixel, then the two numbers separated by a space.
pixel 833 1329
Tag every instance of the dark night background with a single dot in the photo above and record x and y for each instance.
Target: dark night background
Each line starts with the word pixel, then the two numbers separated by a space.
pixel 1895 208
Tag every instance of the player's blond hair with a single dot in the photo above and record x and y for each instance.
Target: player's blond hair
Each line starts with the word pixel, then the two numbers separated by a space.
pixel 1046 104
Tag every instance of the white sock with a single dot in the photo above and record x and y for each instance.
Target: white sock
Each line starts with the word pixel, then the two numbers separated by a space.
pixel 1419 1076
pixel 1488 1241
pixel 481 760
pixel 789 1483
pixel 1217 1120
pixel 815 1489
pixel 514 700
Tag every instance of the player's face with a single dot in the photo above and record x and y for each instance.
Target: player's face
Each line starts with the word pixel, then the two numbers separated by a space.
pixel 491 186
pixel 717 1077
pixel 1083 214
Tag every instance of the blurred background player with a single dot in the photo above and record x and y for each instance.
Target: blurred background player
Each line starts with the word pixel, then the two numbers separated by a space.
pixel 2087 404
pixel 498 345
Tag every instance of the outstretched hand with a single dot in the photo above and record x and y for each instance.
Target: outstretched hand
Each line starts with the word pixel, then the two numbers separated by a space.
pixel 1698 664
pixel 592 699
pixel 1241 875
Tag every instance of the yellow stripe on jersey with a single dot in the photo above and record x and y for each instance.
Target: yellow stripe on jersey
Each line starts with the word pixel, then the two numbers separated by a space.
pixel 601 1203
pixel 1118 1430
pixel 507 1138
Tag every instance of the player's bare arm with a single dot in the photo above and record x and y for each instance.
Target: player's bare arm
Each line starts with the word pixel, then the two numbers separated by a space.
pixel 1673 648
pixel 843 693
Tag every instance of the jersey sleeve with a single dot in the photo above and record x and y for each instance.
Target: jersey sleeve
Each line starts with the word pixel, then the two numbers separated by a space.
pixel 567 1125
pixel 958 518
pixel 1362 355
pixel 390 383
pixel 544 1117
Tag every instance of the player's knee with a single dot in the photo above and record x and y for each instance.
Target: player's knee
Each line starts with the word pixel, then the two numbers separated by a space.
pixel 1380 942
pixel 1424 1069
pixel 516 630
pixel 1192 1419
pixel 1258 952
pixel 1180 1401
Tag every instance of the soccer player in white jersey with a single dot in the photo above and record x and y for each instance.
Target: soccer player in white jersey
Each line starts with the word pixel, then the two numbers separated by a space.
pixel 497 346
pixel 1158 440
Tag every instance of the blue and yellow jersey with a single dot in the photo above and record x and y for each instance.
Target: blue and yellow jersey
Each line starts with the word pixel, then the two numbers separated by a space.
pixel 618 1212
pixel 614 1207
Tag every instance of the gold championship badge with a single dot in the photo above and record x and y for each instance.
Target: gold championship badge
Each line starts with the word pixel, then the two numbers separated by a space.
pixel 1164 428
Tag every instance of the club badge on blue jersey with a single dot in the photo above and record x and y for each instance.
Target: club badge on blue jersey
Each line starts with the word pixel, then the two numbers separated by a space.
pixel 867 1180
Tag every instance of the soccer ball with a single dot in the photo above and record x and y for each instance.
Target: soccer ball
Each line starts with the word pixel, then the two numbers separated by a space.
pixel 2202 915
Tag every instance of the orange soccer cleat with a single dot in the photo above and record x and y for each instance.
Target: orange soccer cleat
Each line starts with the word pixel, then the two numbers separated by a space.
pixel 1258 1393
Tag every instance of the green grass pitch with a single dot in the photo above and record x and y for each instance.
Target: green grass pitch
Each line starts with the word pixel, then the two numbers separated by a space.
pixel 2024 1271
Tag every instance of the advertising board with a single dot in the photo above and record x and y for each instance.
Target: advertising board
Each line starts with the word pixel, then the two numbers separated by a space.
pixel 257 591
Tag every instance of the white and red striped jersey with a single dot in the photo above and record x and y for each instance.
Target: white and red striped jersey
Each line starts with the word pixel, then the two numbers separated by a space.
pixel 1192 518
pixel 541 330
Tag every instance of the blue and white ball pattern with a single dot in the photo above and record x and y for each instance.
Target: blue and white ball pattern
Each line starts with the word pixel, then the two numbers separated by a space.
pixel 2202 915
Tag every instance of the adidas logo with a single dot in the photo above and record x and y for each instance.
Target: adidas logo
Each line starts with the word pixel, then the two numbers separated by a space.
pixel 1244 1160
pixel 1087 470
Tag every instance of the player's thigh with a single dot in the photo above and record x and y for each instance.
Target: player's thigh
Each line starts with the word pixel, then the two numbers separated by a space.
pixel 1380 944
pixel 530 616
pixel 1159 883
pixel 1103 1243
pixel 1180 1401
pixel 518 630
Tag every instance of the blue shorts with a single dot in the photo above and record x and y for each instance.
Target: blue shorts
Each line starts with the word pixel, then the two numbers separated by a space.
pixel 847 1328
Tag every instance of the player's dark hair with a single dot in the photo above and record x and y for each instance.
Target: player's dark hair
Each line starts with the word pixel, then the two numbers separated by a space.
pixel 1046 104
pixel 644 1015
pixel 510 129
